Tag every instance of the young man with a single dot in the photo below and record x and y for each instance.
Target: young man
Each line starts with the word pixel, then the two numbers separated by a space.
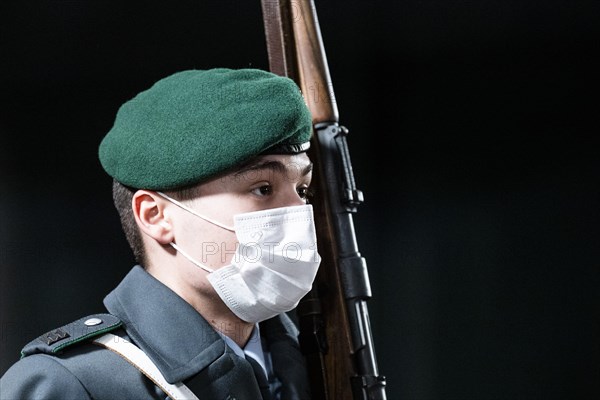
pixel 211 181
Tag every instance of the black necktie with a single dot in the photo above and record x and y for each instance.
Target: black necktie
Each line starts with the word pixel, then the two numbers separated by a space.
pixel 259 373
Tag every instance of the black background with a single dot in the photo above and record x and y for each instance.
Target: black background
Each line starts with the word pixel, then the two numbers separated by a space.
pixel 472 135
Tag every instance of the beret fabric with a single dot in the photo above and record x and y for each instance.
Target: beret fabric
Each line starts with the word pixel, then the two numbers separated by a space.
pixel 195 124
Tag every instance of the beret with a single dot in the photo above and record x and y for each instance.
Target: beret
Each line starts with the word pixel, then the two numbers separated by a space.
pixel 195 124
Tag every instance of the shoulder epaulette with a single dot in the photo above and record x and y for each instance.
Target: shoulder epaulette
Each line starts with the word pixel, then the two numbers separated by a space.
pixel 56 340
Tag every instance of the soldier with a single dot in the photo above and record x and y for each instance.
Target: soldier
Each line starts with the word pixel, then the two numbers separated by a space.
pixel 210 179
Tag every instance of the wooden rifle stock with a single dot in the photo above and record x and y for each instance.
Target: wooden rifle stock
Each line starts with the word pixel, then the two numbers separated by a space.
pixel 335 332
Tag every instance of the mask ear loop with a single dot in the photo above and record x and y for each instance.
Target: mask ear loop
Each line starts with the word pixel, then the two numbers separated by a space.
pixel 186 255
pixel 188 209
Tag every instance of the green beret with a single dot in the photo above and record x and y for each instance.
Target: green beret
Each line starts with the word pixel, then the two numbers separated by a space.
pixel 195 124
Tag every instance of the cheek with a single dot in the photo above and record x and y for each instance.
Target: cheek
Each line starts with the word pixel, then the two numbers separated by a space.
pixel 222 207
pixel 217 250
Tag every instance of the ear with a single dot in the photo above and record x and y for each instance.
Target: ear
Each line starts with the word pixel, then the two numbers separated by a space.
pixel 148 209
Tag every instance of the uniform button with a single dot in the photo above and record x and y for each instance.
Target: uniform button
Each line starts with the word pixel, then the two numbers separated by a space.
pixel 93 322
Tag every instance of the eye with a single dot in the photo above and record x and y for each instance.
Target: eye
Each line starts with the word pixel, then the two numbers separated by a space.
pixel 304 193
pixel 264 190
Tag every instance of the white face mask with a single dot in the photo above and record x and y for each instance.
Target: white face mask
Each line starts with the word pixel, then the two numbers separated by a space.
pixel 274 265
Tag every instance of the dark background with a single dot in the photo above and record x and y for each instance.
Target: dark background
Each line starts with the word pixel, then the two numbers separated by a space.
pixel 472 135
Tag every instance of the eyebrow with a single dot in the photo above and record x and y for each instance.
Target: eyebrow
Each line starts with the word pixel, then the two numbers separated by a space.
pixel 275 166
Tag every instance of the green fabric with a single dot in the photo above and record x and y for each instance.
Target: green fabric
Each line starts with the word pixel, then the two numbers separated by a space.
pixel 195 124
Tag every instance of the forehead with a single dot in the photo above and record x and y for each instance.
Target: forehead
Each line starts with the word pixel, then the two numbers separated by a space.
pixel 295 167
pixel 287 160
pixel 289 166
pixel 295 164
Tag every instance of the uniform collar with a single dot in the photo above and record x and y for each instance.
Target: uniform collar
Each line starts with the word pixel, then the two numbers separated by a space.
pixel 168 329
pixel 253 347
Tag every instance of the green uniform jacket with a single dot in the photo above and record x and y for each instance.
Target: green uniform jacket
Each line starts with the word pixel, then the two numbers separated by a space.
pixel 179 341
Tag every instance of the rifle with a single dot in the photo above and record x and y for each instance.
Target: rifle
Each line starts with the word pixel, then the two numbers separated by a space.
pixel 335 331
